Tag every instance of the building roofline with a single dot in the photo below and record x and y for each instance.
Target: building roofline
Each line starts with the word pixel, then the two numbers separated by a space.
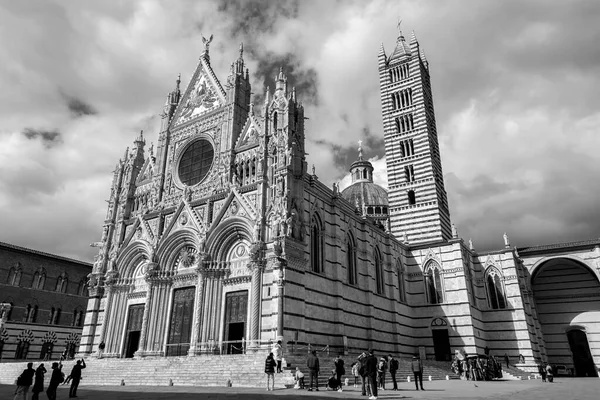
pixel 41 253
pixel 557 247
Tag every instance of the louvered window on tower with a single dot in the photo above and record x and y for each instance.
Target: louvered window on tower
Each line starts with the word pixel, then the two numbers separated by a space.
pixel 407 148
pixel 412 200
pixel 409 172
pixel 405 123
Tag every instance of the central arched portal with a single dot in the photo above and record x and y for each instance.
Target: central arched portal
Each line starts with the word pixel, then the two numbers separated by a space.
pixel 567 300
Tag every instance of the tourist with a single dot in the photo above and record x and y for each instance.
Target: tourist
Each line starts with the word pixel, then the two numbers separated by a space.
pixel 417 369
pixel 299 378
pixel 355 373
pixel 270 371
pixel 506 359
pixel 486 351
pixel 76 377
pixel 393 364
pixel 339 369
pixel 313 365
pixel 278 354
pixel 362 371
pixel 56 379
pixel 38 385
pixel 24 381
pixel 333 382
pixel 542 371
pixel 381 368
pixel 101 347
pixel 549 373
pixel 371 373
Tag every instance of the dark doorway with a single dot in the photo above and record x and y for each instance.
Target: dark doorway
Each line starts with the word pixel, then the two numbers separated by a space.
pixel 180 330
pixel 134 329
pixel 582 357
pixel 441 344
pixel 236 308
pixel 22 350
pixel 46 352
pixel 133 343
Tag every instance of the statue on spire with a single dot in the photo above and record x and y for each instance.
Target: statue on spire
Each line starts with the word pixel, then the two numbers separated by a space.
pixel 360 150
pixel 206 43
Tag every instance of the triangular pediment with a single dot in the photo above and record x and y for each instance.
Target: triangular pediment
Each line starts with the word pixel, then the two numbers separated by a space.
pixel 204 94
pixel 186 217
pixel 250 133
pixel 235 205
pixel 146 173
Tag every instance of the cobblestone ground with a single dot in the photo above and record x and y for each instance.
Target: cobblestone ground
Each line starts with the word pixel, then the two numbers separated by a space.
pixel 568 388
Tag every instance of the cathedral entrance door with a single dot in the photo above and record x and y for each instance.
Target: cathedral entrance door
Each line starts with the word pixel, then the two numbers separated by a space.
pixel 582 357
pixel 134 329
pixel 441 344
pixel 236 309
pixel 180 331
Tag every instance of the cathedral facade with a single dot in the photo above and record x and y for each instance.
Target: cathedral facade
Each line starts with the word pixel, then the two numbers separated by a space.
pixel 223 237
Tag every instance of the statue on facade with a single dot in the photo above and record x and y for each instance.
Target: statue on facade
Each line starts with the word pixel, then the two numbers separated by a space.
pixel 506 241
pixel 454 232
pixel 471 247
pixel 206 42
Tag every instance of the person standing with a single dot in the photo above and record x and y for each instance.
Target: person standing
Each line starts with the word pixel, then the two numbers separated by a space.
pixel 24 381
pixel 270 364
pixel 362 372
pixel 549 373
pixel 313 365
pixel 393 368
pixel 278 354
pixel 76 377
pixel 38 385
pixel 417 369
pixel 371 372
pixel 339 370
pixel 381 368
pixel 56 379
pixel 506 359
pixel 101 347
pixel 542 371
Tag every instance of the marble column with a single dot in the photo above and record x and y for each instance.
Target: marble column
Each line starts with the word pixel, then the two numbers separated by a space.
pixel 143 347
pixel 107 306
pixel 257 271
pixel 198 304
pixel 280 263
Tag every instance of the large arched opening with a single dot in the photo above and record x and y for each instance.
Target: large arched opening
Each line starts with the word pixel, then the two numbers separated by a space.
pixel 567 299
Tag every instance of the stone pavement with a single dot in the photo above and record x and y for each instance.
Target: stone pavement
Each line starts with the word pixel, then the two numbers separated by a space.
pixel 563 388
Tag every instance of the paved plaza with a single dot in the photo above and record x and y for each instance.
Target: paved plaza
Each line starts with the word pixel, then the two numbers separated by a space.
pixel 568 388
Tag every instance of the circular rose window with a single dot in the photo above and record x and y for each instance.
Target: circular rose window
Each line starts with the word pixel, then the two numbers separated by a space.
pixel 196 162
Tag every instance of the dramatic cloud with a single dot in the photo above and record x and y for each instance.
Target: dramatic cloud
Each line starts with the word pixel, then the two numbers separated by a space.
pixel 515 87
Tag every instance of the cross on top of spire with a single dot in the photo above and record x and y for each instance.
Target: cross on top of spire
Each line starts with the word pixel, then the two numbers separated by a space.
pixel 360 156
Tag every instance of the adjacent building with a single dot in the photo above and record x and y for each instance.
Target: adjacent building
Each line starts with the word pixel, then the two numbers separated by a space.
pixel 44 298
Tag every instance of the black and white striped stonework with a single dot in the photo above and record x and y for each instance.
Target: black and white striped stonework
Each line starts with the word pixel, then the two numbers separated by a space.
pixel 418 203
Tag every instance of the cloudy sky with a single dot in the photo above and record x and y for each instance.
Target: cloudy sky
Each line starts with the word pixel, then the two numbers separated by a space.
pixel 516 88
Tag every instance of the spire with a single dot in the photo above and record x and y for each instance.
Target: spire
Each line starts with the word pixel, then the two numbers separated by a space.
pixel 239 63
pixel 402 49
pixel 400 35
pixel 281 83
pixel 360 156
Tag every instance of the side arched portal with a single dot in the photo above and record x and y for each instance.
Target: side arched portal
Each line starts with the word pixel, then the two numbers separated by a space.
pixel 567 299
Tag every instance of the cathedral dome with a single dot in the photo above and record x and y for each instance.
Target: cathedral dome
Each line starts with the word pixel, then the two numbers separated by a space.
pixel 363 192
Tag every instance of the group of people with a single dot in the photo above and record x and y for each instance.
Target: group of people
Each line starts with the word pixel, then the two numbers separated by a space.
pixel 547 372
pixel 368 368
pixel 35 377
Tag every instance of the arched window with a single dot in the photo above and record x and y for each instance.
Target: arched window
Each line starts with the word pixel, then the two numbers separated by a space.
pixel 434 285
pixel 274 120
pixel 82 289
pixel 351 261
pixel 61 283
pixel 27 312
pixel 51 317
pixel 495 290
pixel 378 272
pixel 316 245
pixel 401 290
pixel 14 276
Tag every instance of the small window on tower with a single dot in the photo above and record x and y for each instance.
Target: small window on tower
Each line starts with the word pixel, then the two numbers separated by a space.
pixel 411 198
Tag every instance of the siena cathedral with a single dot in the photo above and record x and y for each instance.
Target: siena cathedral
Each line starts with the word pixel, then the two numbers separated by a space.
pixel 223 236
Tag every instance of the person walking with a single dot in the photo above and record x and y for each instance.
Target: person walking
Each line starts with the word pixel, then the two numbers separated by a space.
pixel 371 372
pixel 56 379
pixel 278 354
pixel 542 371
pixel 549 373
pixel 270 365
pixel 24 381
pixel 38 385
pixel 313 366
pixel 393 363
pixel 339 369
pixel 417 369
pixel 76 377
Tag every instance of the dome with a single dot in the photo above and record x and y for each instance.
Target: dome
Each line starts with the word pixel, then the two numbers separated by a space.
pixel 367 193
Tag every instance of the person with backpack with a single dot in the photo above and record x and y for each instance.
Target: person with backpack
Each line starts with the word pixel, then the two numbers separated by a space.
pixel 339 370
pixel 38 385
pixel 56 379
pixel 24 381
pixel 381 368
pixel 313 365
pixel 270 365
pixel 393 368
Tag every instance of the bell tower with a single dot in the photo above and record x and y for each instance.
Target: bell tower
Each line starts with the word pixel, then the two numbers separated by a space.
pixel 418 204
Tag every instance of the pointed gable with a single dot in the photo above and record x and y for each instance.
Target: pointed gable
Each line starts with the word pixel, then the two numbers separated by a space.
pixel 146 173
pixel 204 93
pixel 250 133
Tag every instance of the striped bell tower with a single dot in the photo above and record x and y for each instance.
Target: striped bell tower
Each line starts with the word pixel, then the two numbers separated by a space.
pixel 418 203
